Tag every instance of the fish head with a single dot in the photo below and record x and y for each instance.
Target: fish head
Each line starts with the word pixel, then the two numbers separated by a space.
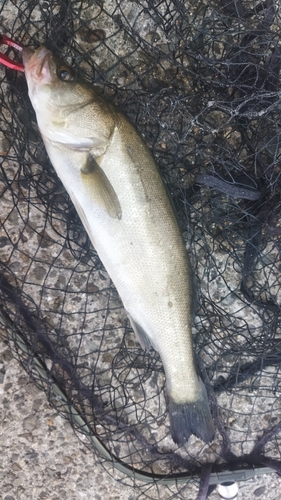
pixel 66 106
pixel 51 82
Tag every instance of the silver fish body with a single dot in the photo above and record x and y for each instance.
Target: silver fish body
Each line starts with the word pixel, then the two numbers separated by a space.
pixel 119 195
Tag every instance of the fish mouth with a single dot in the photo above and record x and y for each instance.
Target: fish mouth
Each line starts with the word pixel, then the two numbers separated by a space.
pixel 36 63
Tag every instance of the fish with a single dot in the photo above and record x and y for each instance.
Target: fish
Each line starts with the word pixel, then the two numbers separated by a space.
pixel 117 190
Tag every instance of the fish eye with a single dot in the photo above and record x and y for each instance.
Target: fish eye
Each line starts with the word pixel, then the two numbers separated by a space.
pixel 65 73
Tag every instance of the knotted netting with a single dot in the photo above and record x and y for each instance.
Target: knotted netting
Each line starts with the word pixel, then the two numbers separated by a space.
pixel 200 80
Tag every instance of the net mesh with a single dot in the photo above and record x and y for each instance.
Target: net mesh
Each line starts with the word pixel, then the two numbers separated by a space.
pixel 201 82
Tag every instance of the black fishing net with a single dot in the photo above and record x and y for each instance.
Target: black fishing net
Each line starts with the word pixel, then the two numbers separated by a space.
pixel 201 82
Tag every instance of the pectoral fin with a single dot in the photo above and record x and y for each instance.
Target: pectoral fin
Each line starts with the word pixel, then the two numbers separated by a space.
pixel 100 188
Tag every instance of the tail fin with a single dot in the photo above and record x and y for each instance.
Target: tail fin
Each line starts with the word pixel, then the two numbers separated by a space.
pixel 191 418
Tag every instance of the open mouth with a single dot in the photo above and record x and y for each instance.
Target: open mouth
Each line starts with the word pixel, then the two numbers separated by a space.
pixel 37 62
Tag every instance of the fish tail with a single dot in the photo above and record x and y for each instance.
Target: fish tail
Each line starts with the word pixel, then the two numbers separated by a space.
pixel 192 417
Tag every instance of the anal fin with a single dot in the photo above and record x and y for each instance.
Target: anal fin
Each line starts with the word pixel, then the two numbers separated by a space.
pixel 141 335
